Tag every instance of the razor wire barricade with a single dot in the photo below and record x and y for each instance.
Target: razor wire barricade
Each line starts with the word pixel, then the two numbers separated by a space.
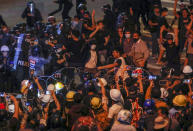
pixel 78 75
pixel 71 77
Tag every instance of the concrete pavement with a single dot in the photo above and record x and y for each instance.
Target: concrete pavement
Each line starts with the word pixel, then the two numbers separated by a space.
pixel 11 11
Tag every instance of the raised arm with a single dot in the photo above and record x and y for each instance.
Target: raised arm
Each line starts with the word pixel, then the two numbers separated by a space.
pixel 107 66
pixel 16 104
pixel 37 83
pixel 175 5
pixel 104 97
pixel 176 36
pixel 94 32
pixel 148 92
pixel 93 18
pixel 140 84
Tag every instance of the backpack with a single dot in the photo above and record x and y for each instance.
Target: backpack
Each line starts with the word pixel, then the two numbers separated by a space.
pixel 137 112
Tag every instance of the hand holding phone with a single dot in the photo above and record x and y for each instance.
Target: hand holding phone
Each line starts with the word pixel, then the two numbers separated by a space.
pixel 186 81
pixel 152 77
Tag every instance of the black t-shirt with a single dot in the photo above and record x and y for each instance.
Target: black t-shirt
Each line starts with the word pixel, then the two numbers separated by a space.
pixel 87 22
pixel 164 22
pixel 109 20
pixel 172 55
pixel 75 47
pixel 182 24
pixel 155 19
pixel 100 39
pixel 130 24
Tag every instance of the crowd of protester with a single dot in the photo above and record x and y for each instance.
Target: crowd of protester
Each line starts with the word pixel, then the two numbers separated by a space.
pixel 41 62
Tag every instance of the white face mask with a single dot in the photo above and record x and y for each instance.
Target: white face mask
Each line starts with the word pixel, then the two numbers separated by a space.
pixel 127 35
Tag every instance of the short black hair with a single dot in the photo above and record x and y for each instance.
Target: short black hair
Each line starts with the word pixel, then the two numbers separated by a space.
pixel 118 49
pixel 164 9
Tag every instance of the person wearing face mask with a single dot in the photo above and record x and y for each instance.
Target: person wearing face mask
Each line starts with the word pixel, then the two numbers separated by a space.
pixel 127 45
pixel 76 24
pixel 139 51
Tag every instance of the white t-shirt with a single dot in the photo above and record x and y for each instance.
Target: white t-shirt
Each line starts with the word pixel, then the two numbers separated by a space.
pixel 120 69
pixel 92 61
pixel 114 110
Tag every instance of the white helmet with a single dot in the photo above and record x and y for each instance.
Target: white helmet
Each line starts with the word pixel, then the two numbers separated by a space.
pixel 50 87
pixel 47 98
pixel 103 81
pixel 124 115
pixel 4 48
pixel 187 69
pixel 116 95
